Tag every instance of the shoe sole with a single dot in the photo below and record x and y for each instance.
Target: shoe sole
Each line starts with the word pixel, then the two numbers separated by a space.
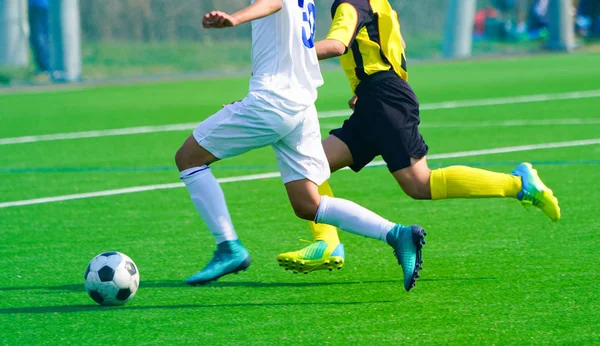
pixel 418 238
pixel 307 266
pixel 243 266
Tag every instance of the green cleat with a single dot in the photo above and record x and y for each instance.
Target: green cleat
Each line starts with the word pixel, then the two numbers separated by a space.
pixel 229 258
pixel 535 193
pixel 317 256
pixel 408 242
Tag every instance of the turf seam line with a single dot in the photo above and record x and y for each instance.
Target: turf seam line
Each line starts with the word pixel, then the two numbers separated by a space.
pixel 322 115
pixel 277 174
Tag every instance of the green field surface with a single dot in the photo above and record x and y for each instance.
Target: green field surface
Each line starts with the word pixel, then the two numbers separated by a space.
pixel 494 272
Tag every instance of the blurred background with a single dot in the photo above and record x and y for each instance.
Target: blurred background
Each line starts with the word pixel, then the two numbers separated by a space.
pixel 51 41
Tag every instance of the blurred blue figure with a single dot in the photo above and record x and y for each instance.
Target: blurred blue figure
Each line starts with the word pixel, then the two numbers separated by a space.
pixel 538 19
pixel 513 17
pixel 39 38
pixel 588 18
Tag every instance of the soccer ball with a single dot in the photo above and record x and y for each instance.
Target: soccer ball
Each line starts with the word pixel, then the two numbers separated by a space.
pixel 111 278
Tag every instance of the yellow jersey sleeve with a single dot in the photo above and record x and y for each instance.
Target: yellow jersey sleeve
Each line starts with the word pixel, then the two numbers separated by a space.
pixel 344 25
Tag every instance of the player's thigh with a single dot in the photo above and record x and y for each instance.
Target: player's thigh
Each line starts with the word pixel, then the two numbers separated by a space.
pixel 337 152
pixel 300 154
pixel 238 128
pixel 352 144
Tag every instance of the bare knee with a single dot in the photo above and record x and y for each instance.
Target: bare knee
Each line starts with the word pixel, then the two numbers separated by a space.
pixel 191 154
pixel 417 190
pixel 414 180
pixel 182 158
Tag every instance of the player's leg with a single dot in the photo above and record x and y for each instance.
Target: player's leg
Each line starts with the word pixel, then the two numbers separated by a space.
pixel 225 134
pixel 208 199
pixel 414 179
pixel 406 241
pixel 324 232
pixel 338 157
pixel 303 166
pixel 299 154
pixel 404 150
pixel 38 24
pixel 345 147
pixel 469 182
pixel 337 152
pixel 326 252
pixel 523 183
pixel 419 182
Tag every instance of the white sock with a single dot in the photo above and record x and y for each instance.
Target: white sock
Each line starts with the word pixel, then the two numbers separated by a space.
pixel 208 198
pixel 352 218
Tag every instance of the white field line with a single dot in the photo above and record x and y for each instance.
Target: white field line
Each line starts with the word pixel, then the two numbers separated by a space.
pixel 99 133
pixel 129 190
pixel 276 174
pixel 506 123
pixel 488 102
pixel 323 115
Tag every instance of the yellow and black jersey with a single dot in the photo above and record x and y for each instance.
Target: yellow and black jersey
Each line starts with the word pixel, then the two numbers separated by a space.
pixel 370 30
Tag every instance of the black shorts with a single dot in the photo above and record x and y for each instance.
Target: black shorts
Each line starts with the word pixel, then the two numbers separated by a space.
pixel 385 122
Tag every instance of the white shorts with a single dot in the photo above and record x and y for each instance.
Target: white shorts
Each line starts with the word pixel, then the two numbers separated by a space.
pixel 254 123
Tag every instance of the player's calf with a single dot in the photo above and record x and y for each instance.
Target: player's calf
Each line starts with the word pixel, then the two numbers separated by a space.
pixel 304 197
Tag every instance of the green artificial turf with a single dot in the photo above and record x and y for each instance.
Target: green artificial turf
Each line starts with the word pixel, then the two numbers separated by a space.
pixel 494 273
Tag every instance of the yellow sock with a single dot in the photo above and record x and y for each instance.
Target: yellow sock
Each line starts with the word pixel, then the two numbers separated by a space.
pixel 321 231
pixel 468 182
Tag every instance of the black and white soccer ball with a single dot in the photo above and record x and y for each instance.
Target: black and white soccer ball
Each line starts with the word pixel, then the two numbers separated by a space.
pixel 111 278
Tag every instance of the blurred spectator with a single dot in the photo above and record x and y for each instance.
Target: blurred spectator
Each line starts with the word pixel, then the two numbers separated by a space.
pixel 513 16
pixel 513 20
pixel 40 42
pixel 587 22
pixel 538 19
pixel 484 19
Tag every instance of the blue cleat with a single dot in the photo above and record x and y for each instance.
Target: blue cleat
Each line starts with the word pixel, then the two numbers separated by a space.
pixel 229 258
pixel 407 242
pixel 535 193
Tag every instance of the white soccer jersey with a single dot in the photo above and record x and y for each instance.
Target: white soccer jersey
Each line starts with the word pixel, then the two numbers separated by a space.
pixel 279 110
pixel 284 60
